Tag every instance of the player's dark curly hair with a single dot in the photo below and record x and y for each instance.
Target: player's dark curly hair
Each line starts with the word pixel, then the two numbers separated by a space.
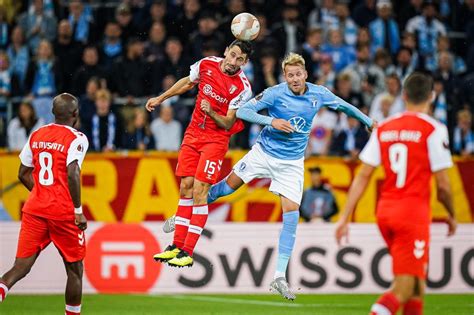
pixel 245 46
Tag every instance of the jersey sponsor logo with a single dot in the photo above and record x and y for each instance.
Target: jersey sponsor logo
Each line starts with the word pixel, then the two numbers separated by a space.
pixel 299 123
pixel 419 250
pixel 207 90
pixel 80 148
pixel 209 72
pixel 232 89
pixel 314 102
pixel 119 259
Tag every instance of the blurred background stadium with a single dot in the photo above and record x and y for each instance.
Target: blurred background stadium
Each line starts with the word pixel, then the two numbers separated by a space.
pixel 114 55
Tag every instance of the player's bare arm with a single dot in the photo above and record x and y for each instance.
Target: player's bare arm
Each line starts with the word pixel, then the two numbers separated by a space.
pixel 74 183
pixel 224 122
pixel 445 196
pixel 358 187
pixel 180 87
pixel 25 175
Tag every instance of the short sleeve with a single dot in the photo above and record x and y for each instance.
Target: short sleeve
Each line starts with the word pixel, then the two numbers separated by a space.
pixel 77 150
pixel 241 98
pixel 438 149
pixel 26 155
pixel 194 72
pixel 371 153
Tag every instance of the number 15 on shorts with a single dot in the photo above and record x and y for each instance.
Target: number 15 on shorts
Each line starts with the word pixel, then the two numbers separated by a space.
pixel 211 167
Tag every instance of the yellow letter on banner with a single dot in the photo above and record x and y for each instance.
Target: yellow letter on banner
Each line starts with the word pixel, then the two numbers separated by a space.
pixel 99 197
pixel 152 172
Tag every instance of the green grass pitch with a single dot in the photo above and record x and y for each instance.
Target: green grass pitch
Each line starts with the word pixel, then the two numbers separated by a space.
pixel 225 304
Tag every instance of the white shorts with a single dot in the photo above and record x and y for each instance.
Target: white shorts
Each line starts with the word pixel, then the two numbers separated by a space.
pixel 286 175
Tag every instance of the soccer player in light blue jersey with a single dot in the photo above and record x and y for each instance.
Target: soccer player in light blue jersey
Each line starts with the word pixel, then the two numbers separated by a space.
pixel 279 151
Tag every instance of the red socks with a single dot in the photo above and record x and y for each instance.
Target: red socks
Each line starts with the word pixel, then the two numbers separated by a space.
pixel 387 304
pixel 3 291
pixel 73 309
pixel 413 307
pixel 183 216
pixel 196 225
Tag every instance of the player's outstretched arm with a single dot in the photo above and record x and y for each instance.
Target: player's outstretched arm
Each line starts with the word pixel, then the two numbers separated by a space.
pixel 358 187
pixel 249 112
pixel 25 175
pixel 74 184
pixel 180 87
pixel 445 196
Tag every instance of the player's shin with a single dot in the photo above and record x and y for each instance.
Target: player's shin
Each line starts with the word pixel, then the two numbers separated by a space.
pixel 196 225
pixel 218 190
pixel 183 216
pixel 286 241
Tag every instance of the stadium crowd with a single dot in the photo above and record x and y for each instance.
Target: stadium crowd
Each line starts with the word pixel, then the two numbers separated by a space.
pixel 115 54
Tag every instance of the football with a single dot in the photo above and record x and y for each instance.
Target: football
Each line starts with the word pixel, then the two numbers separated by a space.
pixel 245 26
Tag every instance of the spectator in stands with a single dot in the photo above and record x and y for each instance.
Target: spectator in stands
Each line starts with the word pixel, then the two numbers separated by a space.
pixel 37 25
pixel 4 29
pixel 166 131
pixel 349 141
pixel 19 57
pixel 104 132
pixel 451 81
pixel 404 65
pixel 318 203
pixel 20 127
pixel 427 28
pixel 409 41
pixel 187 19
pixel 322 129
pixel 463 139
pixel 384 30
pixel 311 51
pixel 323 15
pixel 68 53
pixel 386 101
pixel 289 32
pixel 155 46
pixel 363 68
pixel 124 18
pixel 87 102
pixel 131 74
pixel 326 75
pixel 363 36
pixel 346 91
pixel 176 63
pixel 268 72
pixel 233 8
pixel 383 60
pixel 341 54
pixel 264 38
pixel 111 48
pixel 345 23
pixel 440 105
pixel 432 62
pixel 157 14
pixel 138 135
pixel 206 32
pixel 82 22
pixel 6 79
pixel 364 13
pixel 90 68
pixel 393 87
pixel 408 11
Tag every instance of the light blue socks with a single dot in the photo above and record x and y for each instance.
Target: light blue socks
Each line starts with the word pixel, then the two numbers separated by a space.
pixel 287 241
pixel 219 190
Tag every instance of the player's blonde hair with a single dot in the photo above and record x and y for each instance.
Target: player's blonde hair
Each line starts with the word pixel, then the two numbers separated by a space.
pixel 292 59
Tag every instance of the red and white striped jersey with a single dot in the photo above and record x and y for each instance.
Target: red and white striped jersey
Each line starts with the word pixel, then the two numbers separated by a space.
pixel 49 151
pixel 223 91
pixel 410 147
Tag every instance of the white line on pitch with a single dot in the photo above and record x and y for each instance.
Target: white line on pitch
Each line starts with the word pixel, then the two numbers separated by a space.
pixel 254 302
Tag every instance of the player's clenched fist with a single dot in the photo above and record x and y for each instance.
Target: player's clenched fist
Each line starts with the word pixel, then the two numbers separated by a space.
pixel 282 125
pixel 206 106
pixel 81 221
pixel 152 103
pixel 374 125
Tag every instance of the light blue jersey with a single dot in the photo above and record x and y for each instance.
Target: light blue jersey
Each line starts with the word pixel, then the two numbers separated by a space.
pixel 299 110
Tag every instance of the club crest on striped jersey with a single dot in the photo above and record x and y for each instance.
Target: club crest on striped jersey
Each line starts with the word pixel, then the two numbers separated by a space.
pixel 232 89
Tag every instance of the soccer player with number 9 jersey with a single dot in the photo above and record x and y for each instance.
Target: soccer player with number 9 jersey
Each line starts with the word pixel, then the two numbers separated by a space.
pixel 50 169
pixel 411 147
